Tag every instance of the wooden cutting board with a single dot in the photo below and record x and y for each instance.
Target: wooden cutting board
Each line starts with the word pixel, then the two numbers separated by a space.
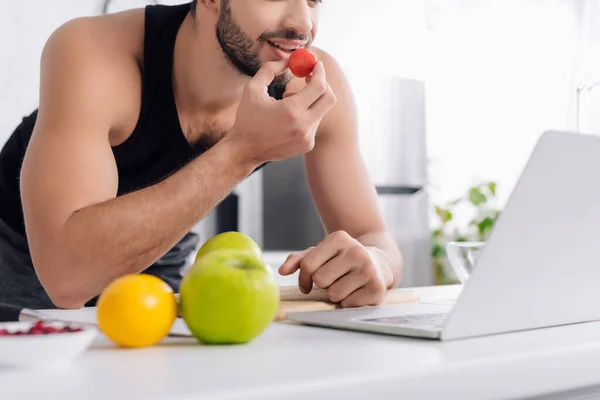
pixel 293 300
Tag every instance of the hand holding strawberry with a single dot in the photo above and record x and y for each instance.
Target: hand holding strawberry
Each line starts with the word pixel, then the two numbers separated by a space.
pixel 266 129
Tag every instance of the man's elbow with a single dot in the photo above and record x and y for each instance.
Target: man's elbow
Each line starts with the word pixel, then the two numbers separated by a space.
pixel 67 302
pixel 64 289
pixel 66 296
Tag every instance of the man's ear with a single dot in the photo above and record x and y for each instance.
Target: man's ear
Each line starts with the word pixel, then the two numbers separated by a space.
pixel 210 5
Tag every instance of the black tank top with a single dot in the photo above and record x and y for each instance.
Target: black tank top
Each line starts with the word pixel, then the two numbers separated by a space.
pixel 155 150
pixel 157 146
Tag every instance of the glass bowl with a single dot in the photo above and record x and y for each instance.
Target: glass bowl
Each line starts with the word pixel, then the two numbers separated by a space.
pixel 462 257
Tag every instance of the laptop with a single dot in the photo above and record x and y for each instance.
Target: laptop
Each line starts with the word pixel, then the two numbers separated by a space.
pixel 540 266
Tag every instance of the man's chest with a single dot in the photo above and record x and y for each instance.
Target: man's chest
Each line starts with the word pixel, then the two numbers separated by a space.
pixel 205 135
pixel 203 128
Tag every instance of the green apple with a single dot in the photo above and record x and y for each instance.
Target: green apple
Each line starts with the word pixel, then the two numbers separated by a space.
pixel 228 296
pixel 230 240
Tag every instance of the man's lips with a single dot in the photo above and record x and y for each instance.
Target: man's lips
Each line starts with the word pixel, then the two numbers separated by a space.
pixel 278 52
pixel 286 45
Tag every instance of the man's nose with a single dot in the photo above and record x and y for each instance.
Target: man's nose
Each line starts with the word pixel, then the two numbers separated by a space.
pixel 297 17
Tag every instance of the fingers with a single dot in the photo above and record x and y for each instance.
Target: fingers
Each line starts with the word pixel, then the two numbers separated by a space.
pixel 292 263
pixel 342 289
pixel 352 278
pixel 265 75
pixel 316 86
pixel 324 104
pixel 305 282
pixel 317 96
pixel 347 273
pixel 327 249
pixel 371 293
pixel 361 297
pixel 332 271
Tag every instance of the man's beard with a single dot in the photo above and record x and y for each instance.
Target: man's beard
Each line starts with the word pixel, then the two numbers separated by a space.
pixel 243 53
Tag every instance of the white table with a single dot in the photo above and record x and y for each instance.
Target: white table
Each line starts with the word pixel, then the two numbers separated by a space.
pixel 299 362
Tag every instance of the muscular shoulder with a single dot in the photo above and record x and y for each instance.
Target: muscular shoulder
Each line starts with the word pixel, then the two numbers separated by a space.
pixel 96 59
pixel 121 33
pixel 342 119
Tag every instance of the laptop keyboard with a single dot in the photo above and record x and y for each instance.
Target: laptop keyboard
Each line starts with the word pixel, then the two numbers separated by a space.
pixel 419 321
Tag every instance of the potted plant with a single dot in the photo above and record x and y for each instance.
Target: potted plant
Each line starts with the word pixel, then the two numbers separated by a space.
pixel 479 202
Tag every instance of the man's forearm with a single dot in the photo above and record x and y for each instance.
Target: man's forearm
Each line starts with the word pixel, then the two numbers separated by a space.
pixel 385 249
pixel 127 234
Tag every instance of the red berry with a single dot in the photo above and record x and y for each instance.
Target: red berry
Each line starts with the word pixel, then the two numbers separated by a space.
pixel 35 330
pixel 39 328
pixel 302 62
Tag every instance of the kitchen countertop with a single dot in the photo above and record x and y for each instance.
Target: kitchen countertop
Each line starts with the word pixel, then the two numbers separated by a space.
pixel 290 361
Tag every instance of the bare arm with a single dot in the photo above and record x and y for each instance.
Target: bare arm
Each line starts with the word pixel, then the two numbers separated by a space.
pixel 81 236
pixel 340 185
pixel 359 259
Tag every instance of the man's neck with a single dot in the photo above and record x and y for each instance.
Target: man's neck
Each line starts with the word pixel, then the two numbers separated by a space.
pixel 203 79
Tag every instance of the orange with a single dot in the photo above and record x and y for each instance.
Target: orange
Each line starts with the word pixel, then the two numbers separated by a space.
pixel 136 310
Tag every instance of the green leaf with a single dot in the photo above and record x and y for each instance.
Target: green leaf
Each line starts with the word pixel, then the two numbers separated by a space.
pixel 445 215
pixel 438 251
pixel 437 233
pixel 492 187
pixel 476 197
pixel 485 225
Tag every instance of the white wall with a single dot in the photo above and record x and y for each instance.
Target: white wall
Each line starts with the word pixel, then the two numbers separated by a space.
pixel 500 73
pixel 375 43
pixel 497 72
pixel 24 28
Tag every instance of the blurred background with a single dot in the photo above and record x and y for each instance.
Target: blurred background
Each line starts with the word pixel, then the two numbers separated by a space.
pixel 452 96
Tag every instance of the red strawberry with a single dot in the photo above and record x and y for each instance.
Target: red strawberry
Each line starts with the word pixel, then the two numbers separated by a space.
pixel 302 62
